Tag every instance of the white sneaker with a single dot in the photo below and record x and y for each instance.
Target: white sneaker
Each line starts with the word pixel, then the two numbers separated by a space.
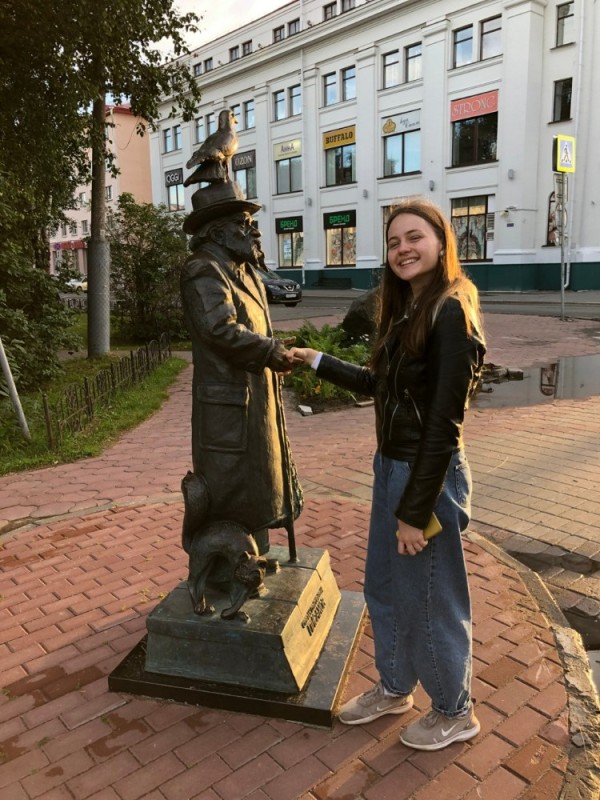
pixel 435 731
pixel 372 705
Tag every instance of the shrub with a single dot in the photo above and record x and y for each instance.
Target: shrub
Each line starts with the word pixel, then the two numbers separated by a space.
pixel 336 342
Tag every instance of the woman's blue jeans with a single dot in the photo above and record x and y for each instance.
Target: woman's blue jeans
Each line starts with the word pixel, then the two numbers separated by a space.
pixel 419 605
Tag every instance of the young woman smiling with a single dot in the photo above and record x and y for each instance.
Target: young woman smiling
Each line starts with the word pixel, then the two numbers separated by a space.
pixel 426 362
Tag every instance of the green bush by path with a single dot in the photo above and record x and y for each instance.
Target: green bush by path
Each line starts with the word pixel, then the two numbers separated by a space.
pixel 336 342
pixel 126 410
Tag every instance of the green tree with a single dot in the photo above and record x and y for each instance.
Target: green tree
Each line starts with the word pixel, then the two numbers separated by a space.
pixel 114 53
pixel 34 323
pixel 59 60
pixel 148 248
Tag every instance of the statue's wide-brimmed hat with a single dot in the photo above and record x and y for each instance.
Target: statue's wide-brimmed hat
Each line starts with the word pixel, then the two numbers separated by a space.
pixel 217 200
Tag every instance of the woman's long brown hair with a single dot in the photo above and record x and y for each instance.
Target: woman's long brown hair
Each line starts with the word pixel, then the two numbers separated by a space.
pixel 395 300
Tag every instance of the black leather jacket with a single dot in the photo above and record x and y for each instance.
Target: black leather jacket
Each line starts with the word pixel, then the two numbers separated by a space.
pixel 420 404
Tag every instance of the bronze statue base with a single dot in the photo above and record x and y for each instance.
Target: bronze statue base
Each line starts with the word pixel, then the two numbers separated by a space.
pixel 289 661
pixel 275 649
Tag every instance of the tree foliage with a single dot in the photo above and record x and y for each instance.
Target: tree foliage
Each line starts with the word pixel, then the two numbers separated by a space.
pixel 148 248
pixel 58 61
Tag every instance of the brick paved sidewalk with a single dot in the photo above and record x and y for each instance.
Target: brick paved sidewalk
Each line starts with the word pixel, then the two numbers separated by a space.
pixel 94 544
pixel 74 601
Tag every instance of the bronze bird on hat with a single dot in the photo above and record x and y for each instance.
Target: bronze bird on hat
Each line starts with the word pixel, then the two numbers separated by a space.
pixel 213 156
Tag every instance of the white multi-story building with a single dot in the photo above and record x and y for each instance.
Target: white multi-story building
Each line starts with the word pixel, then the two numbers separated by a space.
pixel 345 106
pixel 132 158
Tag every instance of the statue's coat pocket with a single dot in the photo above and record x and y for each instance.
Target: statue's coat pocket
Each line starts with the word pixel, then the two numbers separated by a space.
pixel 223 417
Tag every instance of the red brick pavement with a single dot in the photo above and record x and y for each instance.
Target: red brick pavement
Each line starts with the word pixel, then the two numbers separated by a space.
pixel 76 588
pixel 75 596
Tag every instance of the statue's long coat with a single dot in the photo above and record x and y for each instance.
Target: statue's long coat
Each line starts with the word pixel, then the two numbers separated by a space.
pixel 239 440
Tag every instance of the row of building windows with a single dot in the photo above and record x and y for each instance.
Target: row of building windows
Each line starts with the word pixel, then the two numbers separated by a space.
pixel 471 220
pixel 474 140
pixel 489 44
pixel 71 229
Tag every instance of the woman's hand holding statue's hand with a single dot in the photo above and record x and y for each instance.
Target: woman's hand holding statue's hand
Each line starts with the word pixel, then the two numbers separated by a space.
pixel 410 540
pixel 301 355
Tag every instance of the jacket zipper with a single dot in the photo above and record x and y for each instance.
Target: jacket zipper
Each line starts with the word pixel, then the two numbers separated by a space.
pixel 388 397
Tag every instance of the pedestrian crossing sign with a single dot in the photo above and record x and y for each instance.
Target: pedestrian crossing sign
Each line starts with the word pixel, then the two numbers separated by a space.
pixel 563 153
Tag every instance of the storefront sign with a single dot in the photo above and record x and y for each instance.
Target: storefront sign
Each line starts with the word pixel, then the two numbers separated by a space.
pixel 339 219
pixel 475 106
pixel 245 160
pixel 173 177
pixel 287 224
pixel 400 123
pixel 339 137
pixel 77 244
pixel 289 149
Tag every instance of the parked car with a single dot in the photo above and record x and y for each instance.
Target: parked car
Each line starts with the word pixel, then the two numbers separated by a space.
pixel 78 284
pixel 279 289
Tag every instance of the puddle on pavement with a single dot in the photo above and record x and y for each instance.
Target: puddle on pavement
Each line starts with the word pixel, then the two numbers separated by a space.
pixel 573 378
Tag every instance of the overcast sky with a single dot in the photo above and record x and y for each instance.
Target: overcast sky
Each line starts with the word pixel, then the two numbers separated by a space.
pixel 221 16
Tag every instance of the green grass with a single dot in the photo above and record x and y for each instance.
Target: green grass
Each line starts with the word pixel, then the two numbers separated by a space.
pixel 127 409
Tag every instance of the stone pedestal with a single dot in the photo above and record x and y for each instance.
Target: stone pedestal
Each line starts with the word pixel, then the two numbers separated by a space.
pixel 275 649
pixel 289 660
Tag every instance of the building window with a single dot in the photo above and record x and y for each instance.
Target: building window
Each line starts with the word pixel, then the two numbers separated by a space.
pixel 295 97
pixel 64 229
pixel 413 62
pixel 249 114
pixel 246 48
pixel 211 123
pixel 329 11
pixel 290 242
pixel 490 44
pixel 293 27
pixel 236 110
pixel 349 83
pixel 199 130
pixel 234 53
pixel 347 5
pixel 565 24
pixel 402 153
pixel 474 140
pixel 391 69
pixel 197 68
pixel 85 228
pixel 247 180
pixel 279 34
pixel 175 198
pixel 330 91
pixel 208 64
pixel 108 193
pixel 167 140
pixel 279 104
pixel 177 137
pixel 340 165
pixel 463 46
pixel 289 175
pixel 473 227
pixel 562 100
pixel 340 230
pixel 73 229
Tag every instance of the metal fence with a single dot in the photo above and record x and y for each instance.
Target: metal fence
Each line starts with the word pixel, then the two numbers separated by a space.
pixel 79 402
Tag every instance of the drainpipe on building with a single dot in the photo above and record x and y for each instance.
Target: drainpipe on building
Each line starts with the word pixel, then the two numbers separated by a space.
pixel 577 118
